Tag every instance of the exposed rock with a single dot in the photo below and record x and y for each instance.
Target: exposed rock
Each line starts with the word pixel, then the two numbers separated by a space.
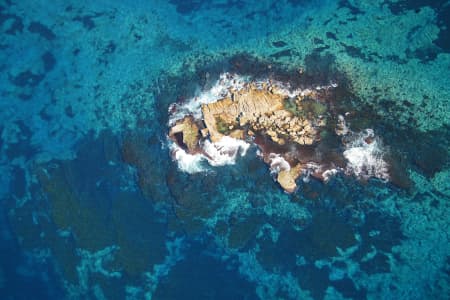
pixel 244 107
pixel 186 133
pixel 287 178
pixel 264 112
pixel 238 134
pixel 341 127
pixel 204 132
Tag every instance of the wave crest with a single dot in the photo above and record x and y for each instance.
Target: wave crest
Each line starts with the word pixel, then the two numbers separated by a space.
pixel 365 156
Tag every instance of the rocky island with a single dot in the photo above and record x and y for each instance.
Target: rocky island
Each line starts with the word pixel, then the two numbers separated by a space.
pixel 265 115
pixel 288 128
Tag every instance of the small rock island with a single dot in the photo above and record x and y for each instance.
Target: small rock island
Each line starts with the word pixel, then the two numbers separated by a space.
pixel 285 126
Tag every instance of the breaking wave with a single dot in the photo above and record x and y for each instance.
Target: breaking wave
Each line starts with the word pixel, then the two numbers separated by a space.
pixel 220 89
pixel 278 163
pixel 365 156
pixel 225 151
pixel 364 151
pixel 189 163
pixel 221 153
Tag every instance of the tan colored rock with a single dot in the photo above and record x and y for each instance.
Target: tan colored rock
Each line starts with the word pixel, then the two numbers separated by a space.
pixel 247 106
pixel 252 111
pixel 237 134
pixel 271 133
pixel 287 178
pixel 204 132
pixel 190 133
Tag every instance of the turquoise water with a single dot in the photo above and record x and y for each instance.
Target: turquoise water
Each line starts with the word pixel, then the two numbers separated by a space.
pixel 93 206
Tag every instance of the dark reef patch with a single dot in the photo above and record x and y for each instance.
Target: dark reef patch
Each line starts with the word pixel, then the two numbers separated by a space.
pixel 187 7
pixel 380 232
pixel 200 276
pixel 110 48
pixel 353 9
pixel 42 30
pixel 19 184
pixel 314 280
pixel 396 59
pixel 26 78
pixel 299 2
pixel 19 270
pixel 321 49
pixel 283 53
pixel 348 289
pixel 443 16
pixel 69 111
pixel 242 231
pixel 377 264
pixel 318 41
pixel 319 69
pixel 1 137
pixel 279 44
pixel 88 204
pixel 23 146
pixel 331 35
pixel 49 61
pixel 16 24
pixel 87 20
pixel 426 151
pixel 319 240
pixel 354 51
pixel 424 55
pixel 144 151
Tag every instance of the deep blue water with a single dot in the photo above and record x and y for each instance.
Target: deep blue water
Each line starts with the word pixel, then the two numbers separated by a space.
pixel 94 207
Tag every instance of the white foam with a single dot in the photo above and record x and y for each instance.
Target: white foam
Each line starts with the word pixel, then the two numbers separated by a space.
pixel 225 151
pixel 219 90
pixel 229 82
pixel 329 173
pixel 365 156
pixel 341 127
pixel 313 167
pixel 285 89
pixel 278 163
pixel 189 163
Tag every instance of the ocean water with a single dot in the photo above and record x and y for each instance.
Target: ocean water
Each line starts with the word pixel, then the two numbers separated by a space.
pixel 94 205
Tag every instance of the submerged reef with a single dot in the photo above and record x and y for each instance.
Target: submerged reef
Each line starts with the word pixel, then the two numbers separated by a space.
pixel 292 129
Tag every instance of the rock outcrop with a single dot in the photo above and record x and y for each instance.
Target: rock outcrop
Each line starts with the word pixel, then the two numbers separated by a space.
pixel 287 178
pixel 186 133
pixel 242 108
pixel 262 110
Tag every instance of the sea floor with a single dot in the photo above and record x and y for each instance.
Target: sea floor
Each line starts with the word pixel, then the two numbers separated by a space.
pixel 93 205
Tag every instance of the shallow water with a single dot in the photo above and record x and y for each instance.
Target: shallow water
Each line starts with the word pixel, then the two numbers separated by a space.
pixel 93 205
